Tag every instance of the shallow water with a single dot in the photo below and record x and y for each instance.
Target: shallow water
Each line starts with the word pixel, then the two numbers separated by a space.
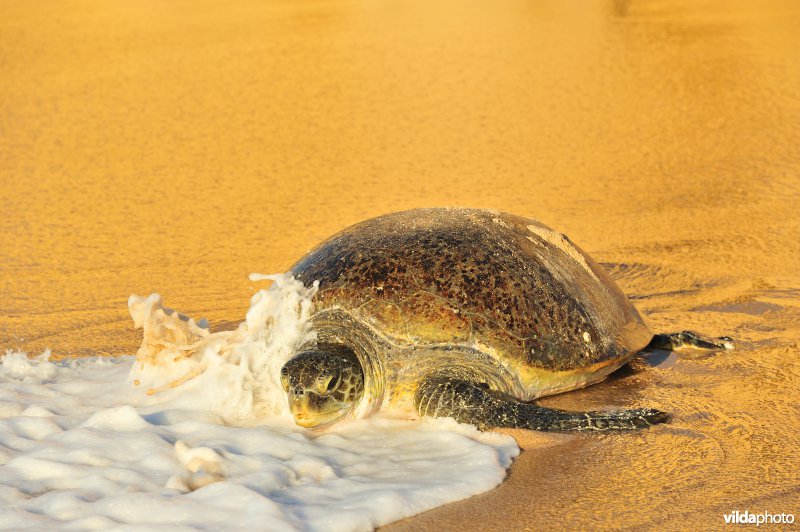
pixel 176 148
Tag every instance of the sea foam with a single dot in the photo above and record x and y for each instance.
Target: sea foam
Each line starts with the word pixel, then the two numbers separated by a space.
pixel 194 432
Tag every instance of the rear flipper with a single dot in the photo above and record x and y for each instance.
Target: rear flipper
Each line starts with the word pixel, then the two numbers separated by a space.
pixel 469 402
pixel 689 339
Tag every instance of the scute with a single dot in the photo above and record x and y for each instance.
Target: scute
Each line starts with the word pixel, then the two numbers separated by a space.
pixel 506 284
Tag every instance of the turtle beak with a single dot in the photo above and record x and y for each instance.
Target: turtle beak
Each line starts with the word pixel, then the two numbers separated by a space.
pixel 305 423
pixel 307 412
pixel 298 404
pixel 303 416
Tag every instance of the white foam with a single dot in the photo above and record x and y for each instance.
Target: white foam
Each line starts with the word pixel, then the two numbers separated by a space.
pixel 232 373
pixel 82 446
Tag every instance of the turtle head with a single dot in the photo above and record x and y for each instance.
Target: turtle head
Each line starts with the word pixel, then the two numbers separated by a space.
pixel 323 385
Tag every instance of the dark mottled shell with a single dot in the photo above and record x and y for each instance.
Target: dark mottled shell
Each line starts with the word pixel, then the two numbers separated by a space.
pixel 500 282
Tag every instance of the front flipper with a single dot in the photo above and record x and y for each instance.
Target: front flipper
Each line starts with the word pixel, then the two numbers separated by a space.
pixel 689 339
pixel 468 402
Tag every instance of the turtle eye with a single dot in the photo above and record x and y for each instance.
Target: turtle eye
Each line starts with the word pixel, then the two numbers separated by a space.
pixel 326 385
pixel 332 383
pixel 322 384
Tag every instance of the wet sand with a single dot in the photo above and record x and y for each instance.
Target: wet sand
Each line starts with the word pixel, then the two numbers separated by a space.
pixel 179 147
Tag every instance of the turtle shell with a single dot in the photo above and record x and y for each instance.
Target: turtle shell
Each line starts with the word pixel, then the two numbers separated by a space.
pixel 506 285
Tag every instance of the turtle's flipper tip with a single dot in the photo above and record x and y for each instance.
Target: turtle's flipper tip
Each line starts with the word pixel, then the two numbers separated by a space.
pixel 651 416
pixel 726 343
pixel 690 340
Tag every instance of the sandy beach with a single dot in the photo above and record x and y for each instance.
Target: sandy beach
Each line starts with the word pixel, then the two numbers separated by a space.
pixel 178 147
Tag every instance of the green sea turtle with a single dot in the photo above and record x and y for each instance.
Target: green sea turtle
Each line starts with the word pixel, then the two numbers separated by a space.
pixel 464 313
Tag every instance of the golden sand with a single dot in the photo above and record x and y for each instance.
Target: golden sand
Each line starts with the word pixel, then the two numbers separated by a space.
pixel 179 146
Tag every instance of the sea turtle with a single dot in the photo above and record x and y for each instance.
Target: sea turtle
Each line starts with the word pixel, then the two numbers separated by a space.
pixel 464 313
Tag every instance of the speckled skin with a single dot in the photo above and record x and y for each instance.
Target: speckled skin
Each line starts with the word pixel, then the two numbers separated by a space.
pixel 519 294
